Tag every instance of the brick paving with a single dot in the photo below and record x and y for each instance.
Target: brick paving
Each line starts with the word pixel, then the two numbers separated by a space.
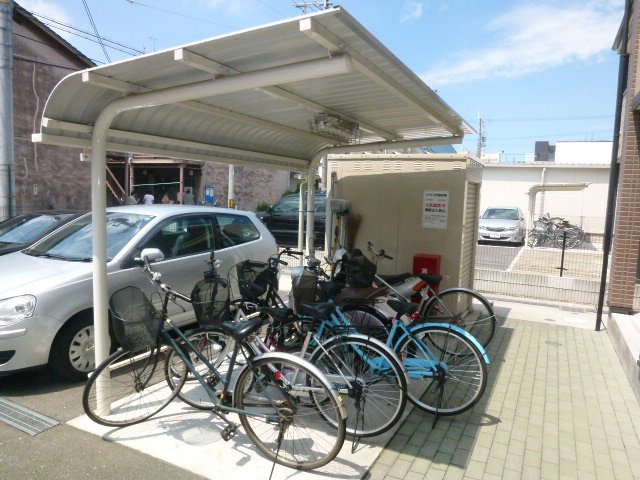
pixel 557 406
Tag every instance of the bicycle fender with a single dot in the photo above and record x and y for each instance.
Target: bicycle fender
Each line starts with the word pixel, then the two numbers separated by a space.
pixel 378 343
pixel 309 366
pixel 457 329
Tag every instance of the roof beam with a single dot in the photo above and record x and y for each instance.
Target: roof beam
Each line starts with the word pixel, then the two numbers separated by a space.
pixel 206 152
pixel 217 69
pixel 316 32
pixel 130 88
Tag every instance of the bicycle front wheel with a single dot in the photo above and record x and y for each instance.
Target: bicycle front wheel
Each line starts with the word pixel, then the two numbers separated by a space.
pixel 287 430
pixel 216 347
pixel 370 379
pixel 465 308
pixel 447 374
pixel 129 387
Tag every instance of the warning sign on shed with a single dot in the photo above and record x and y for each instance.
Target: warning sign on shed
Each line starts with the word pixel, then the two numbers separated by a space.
pixel 435 209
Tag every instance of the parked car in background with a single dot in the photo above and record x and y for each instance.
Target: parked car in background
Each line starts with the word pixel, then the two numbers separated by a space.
pixel 46 314
pixel 282 219
pixel 22 230
pixel 502 224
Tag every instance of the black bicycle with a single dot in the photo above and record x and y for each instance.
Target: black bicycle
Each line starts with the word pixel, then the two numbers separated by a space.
pixel 283 401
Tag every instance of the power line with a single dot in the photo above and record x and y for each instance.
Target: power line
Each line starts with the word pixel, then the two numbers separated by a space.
pixel 72 30
pixel 200 19
pixel 546 119
pixel 95 29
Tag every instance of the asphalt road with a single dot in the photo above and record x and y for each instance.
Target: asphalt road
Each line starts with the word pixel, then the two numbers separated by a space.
pixel 64 452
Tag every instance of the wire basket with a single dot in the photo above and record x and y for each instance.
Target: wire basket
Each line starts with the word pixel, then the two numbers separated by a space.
pixel 359 270
pixel 136 322
pixel 304 287
pixel 254 280
pixel 210 299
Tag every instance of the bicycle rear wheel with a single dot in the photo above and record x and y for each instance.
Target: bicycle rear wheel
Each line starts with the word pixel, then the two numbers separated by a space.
pixel 466 309
pixel 370 379
pixel 447 374
pixel 367 320
pixel 135 391
pixel 288 431
pixel 216 346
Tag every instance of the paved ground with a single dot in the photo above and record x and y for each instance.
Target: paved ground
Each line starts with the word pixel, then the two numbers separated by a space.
pixel 557 406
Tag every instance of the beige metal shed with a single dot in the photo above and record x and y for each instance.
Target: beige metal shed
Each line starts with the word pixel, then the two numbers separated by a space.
pixel 279 96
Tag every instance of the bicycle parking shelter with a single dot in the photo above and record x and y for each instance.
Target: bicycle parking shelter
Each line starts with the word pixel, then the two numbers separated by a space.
pixel 278 96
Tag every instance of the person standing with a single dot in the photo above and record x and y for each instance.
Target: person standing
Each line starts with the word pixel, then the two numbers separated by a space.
pixel 148 199
pixel 187 198
pixel 131 199
pixel 165 199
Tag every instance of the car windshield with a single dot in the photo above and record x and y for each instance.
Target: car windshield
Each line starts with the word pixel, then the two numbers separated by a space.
pixel 501 213
pixel 28 228
pixel 74 241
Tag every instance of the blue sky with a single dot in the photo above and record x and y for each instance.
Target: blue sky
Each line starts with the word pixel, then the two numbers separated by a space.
pixel 533 70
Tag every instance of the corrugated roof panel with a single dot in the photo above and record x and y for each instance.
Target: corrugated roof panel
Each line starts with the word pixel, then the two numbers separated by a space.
pixel 382 95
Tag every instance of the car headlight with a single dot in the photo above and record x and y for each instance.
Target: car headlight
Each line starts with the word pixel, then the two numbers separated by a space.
pixel 14 309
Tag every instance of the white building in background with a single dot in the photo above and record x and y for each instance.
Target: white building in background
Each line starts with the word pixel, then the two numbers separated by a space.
pixel 508 184
pixel 581 153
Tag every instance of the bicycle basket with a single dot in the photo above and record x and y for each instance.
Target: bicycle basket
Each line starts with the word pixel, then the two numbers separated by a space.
pixel 359 270
pixel 304 287
pixel 254 279
pixel 136 322
pixel 210 299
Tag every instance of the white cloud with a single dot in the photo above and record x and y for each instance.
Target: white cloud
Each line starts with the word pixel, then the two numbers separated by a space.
pixel 51 10
pixel 411 10
pixel 533 38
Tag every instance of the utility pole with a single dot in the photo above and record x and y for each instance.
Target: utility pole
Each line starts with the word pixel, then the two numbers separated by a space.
pixel 481 138
pixel 7 162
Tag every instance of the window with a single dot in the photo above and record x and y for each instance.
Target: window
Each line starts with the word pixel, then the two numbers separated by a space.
pixel 288 206
pixel 236 229
pixel 183 236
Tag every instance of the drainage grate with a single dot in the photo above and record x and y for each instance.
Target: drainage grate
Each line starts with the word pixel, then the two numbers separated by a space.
pixel 23 418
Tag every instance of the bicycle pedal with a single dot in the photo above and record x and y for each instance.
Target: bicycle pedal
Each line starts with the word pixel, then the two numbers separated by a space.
pixel 229 432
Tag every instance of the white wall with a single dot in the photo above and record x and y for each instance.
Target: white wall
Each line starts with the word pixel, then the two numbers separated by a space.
pixel 583 153
pixel 506 184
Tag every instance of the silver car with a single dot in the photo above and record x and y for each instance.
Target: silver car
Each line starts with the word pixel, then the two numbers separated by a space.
pixel 46 291
pixel 502 224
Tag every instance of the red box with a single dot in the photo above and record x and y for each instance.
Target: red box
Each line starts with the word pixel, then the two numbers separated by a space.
pixel 426 263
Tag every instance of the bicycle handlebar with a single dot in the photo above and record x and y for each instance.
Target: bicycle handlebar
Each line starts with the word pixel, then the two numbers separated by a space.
pixel 381 253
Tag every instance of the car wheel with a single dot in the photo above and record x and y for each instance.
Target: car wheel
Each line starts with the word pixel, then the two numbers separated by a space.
pixel 73 353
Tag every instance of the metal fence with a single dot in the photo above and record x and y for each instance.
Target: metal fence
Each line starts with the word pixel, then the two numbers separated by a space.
pixel 544 272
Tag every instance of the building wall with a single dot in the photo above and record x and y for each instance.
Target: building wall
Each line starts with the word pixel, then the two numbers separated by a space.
pixel 47 176
pixel 252 185
pixel 626 239
pixel 583 152
pixel 506 184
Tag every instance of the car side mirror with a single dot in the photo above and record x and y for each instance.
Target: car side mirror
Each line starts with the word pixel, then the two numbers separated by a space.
pixel 151 255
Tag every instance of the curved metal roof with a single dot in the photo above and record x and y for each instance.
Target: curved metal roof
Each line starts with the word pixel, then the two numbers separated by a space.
pixel 274 96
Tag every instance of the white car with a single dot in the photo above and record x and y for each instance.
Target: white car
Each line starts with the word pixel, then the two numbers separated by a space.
pixel 502 224
pixel 46 314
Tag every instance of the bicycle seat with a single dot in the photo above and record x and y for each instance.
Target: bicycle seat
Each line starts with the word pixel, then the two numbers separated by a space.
pixel 395 279
pixel 403 308
pixel 279 313
pixel 431 279
pixel 317 311
pixel 241 330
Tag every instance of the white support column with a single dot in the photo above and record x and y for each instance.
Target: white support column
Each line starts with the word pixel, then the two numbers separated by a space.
pixel 231 203
pixel 311 208
pixel 301 230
